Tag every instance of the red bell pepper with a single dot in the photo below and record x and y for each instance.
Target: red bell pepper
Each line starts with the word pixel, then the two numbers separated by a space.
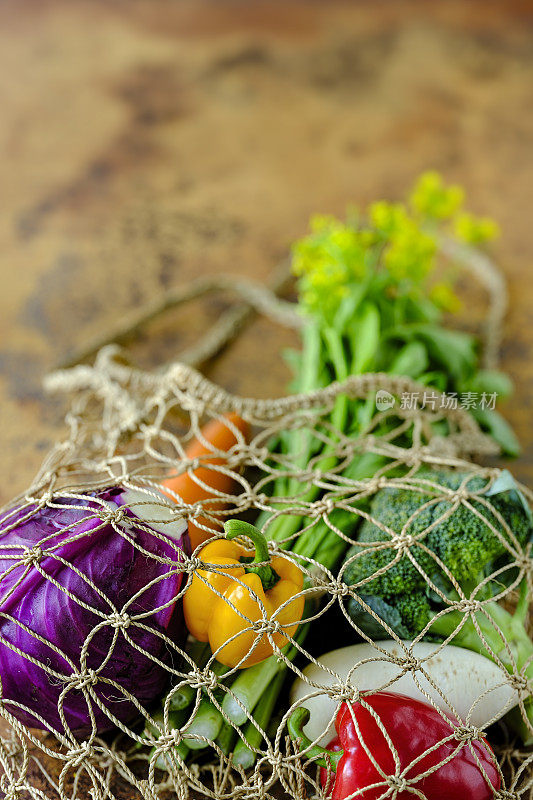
pixel 363 763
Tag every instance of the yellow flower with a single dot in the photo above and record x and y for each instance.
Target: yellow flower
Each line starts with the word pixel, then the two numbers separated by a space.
pixel 410 254
pixel 431 198
pixel 388 218
pixel 327 261
pixel 475 230
pixel 445 298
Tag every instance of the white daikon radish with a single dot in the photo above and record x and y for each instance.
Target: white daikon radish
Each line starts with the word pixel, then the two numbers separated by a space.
pixel 474 687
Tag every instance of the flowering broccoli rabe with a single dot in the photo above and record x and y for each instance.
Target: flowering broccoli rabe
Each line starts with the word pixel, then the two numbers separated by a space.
pixel 374 289
pixel 392 248
pixel 440 552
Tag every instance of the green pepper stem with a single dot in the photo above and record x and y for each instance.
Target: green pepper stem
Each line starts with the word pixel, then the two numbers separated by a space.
pixel 268 576
pixel 322 756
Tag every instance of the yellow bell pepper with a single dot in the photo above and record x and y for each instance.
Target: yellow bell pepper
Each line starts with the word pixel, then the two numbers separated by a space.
pixel 253 589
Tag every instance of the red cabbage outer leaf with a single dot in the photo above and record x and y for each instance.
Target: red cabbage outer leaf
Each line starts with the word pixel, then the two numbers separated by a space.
pixel 42 547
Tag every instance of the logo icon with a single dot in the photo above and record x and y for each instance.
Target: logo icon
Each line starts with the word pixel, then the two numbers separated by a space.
pixel 384 400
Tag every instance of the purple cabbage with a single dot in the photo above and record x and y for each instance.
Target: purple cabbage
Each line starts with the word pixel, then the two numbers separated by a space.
pixel 58 541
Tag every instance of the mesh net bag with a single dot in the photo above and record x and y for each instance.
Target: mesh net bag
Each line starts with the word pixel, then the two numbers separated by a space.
pixel 114 564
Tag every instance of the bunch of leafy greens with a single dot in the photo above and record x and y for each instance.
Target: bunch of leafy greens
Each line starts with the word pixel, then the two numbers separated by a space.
pixel 373 294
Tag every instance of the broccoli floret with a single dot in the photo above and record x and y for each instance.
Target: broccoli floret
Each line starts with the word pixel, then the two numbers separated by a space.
pixel 393 509
pixel 457 536
pixel 414 610
pixel 472 537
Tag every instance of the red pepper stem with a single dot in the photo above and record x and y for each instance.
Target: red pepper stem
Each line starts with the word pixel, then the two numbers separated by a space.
pixel 323 757
pixel 267 575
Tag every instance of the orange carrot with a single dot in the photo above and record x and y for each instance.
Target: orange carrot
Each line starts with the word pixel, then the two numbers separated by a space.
pixel 221 437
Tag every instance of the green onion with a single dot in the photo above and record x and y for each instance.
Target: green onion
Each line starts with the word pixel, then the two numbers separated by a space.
pixel 253 681
pixel 246 749
pixel 206 723
pixel 226 738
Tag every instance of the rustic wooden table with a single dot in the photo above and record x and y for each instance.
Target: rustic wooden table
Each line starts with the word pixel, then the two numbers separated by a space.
pixel 146 142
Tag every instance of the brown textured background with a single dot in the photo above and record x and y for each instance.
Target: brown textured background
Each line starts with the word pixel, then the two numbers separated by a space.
pixel 145 142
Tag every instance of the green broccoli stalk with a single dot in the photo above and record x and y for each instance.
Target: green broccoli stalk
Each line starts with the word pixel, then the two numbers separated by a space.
pixel 453 538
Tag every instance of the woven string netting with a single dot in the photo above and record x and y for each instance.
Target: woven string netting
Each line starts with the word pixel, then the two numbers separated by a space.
pixel 131 428
pixel 124 430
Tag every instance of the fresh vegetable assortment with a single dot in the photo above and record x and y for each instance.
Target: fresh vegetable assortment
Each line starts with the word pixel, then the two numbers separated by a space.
pixel 422 561
pixel 373 298
pixel 425 754
pixel 117 553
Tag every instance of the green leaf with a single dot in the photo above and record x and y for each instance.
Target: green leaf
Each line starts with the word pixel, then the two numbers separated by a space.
pixel 505 482
pixel 422 309
pixel 436 380
pixel 366 622
pixel 348 307
pixel 412 360
pixel 454 350
pixel 499 429
pixel 490 381
pixel 334 343
pixel 365 339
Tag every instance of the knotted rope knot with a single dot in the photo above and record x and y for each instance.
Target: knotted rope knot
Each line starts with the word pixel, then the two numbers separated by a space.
pixel 325 506
pixel 468 606
pixel 343 693
pixel 413 459
pixel 338 589
pixel 112 515
pixel 239 451
pixel 81 680
pixel 194 511
pixel 410 663
pixel 203 679
pixel 403 541
pixel 45 498
pixel 193 564
pixel 276 761
pixel 119 620
pixel 397 783
pixel 380 482
pixel 375 484
pixel 466 733
pixel 259 499
pixel 461 494
pixel 14 791
pixel 78 755
pixel 503 794
pixel 345 449
pixel 32 556
pixel 520 684
pixel 261 453
pixel 524 562
pixel 169 740
pixel 265 626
